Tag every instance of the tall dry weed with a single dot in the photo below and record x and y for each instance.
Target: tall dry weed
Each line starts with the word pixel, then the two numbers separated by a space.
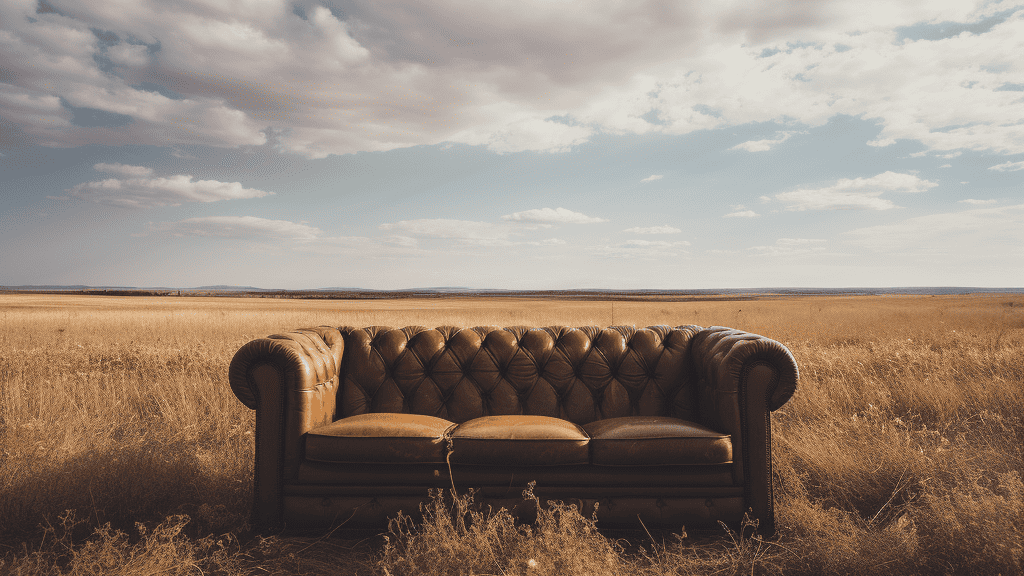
pixel 900 453
pixel 457 538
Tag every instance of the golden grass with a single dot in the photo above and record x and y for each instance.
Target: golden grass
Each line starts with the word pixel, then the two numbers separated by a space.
pixel 900 453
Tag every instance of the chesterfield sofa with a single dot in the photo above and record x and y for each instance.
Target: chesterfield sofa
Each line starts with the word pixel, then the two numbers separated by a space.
pixel 666 426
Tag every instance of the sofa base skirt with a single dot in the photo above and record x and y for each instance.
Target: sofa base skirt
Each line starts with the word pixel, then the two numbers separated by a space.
pixel 515 477
pixel 307 510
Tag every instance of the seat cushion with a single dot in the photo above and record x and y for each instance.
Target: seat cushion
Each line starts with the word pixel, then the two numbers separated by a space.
pixel 655 441
pixel 380 437
pixel 519 440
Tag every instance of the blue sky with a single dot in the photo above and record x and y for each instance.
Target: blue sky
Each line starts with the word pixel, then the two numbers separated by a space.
pixel 535 144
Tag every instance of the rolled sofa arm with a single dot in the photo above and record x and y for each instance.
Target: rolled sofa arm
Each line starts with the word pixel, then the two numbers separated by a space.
pixel 291 380
pixel 742 378
pixel 723 355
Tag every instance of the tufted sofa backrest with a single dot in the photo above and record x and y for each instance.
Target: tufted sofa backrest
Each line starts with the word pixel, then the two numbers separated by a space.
pixel 578 374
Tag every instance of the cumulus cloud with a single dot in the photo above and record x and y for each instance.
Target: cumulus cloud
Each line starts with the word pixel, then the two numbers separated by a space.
pixel 242 227
pixel 666 229
pixel 763 145
pixel 652 178
pixel 139 192
pixel 742 214
pixel 977 202
pixel 123 169
pixel 855 193
pixel 524 134
pixel 1008 166
pixel 532 75
pixel 552 216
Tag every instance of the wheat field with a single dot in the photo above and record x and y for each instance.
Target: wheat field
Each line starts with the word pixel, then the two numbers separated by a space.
pixel 123 450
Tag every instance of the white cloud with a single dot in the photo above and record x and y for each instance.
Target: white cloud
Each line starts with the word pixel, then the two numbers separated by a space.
pixel 742 214
pixel 123 169
pixel 152 192
pixel 665 229
pixel 532 75
pixel 523 134
pixel 466 230
pixel 405 241
pixel 791 247
pixel 242 227
pixel 545 242
pixel 658 243
pixel 552 216
pixel 406 238
pixel 641 249
pixel 855 193
pixel 763 145
pixel 977 202
pixel 290 236
pixel 1008 166
pixel 995 231
pixel 652 178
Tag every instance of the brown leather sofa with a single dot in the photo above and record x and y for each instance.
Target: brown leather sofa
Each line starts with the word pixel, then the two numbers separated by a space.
pixel 670 426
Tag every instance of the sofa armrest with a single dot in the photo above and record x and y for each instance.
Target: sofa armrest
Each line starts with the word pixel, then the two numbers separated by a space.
pixel 291 380
pixel 742 378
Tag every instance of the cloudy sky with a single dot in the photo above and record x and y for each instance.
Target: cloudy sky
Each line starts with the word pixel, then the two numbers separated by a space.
pixel 512 144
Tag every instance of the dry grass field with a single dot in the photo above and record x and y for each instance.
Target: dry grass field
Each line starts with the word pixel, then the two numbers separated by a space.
pixel 123 451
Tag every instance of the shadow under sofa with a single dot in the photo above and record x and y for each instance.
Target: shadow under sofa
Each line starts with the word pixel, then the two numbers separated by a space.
pixel 665 426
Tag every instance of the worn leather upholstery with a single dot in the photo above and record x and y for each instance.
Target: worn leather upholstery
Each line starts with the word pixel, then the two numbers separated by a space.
pixel 646 416
pixel 519 440
pixel 655 441
pixel 380 437
pixel 579 375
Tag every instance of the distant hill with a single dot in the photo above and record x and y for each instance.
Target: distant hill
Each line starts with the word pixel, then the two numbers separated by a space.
pixel 227 288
